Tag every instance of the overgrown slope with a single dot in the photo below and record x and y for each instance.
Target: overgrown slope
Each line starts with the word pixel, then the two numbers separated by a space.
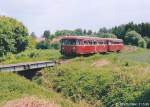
pixel 104 80
pixel 13 87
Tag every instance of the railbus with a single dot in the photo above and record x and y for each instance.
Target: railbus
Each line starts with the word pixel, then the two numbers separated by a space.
pixel 81 45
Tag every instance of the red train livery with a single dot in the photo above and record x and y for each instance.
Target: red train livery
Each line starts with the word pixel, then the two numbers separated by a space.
pixel 80 45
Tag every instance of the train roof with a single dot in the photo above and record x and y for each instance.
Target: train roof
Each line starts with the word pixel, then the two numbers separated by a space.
pixel 88 37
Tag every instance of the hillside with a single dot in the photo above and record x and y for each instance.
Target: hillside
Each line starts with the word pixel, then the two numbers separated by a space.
pixel 15 87
pixel 103 80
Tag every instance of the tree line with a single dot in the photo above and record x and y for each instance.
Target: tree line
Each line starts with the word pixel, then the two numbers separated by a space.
pixel 132 34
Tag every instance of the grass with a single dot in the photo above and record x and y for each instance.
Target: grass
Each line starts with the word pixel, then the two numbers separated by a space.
pixel 126 79
pixel 140 55
pixel 30 56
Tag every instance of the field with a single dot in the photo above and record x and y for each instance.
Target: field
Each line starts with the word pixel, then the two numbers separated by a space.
pixel 96 80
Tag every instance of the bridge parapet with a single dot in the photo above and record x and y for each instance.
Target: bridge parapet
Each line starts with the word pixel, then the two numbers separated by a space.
pixel 26 66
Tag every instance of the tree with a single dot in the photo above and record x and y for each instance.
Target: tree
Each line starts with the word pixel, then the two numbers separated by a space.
pixel 134 38
pixel 107 35
pixel 103 30
pixel 33 35
pixel 84 32
pixel 89 32
pixel 78 31
pixel 64 32
pixel 143 29
pixel 119 31
pixel 13 36
pixel 46 34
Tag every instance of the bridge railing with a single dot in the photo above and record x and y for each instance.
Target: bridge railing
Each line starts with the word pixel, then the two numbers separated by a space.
pixel 26 66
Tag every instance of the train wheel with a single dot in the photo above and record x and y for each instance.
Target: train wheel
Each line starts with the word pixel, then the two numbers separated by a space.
pixel 118 51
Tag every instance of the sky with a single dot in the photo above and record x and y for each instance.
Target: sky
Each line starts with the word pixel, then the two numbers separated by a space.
pixel 40 15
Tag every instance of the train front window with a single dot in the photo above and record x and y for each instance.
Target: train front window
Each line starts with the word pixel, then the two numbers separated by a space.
pixel 70 42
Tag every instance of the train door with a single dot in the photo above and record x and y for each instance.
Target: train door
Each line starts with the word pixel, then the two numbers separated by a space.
pixel 95 43
pixel 109 46
pixel 101 46
pixel 86 47
pixel 105 46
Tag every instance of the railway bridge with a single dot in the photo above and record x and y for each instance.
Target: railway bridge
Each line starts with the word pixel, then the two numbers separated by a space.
pixel 29 69
pixel 26 66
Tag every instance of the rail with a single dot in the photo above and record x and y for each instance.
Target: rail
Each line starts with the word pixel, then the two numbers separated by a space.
pixel 26 66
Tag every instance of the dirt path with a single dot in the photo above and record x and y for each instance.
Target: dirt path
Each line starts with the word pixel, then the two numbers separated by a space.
pixel 100 63
pixel 30 102
pixel 129 49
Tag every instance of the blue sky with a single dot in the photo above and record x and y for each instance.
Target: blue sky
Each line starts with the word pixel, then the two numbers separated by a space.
pixel 40 15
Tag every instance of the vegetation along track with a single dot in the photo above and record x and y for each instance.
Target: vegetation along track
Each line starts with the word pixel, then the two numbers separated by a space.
pixel 102 80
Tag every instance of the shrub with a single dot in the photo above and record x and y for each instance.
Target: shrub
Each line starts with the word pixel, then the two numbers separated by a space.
pixel 43 45
pixel 142 43
pixel 47 45
pixel 32 42
pixel 134 38
pixel 147 41
pixel 55 46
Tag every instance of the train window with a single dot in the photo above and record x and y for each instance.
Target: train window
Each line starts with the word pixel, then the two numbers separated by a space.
pixel 86 42
pixel 100 42
pixel 118 42
pixel 109 43
pixel 90 42
pixel 94 42
pixel 105 42
pixel 68 42
pixel 78 42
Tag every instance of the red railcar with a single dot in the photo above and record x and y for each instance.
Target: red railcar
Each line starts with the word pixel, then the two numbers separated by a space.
pixel 80 45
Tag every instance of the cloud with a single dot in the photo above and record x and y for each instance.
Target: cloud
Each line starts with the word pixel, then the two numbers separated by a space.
pixel 39 15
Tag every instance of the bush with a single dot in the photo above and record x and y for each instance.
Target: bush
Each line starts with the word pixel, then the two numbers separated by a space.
pixel 147 41
pixel 47 45
pixel 134 38
pixel 142 43
pixel 32 42
pixel 43 45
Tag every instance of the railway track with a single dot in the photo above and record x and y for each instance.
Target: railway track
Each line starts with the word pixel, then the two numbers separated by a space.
pixel 26 66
